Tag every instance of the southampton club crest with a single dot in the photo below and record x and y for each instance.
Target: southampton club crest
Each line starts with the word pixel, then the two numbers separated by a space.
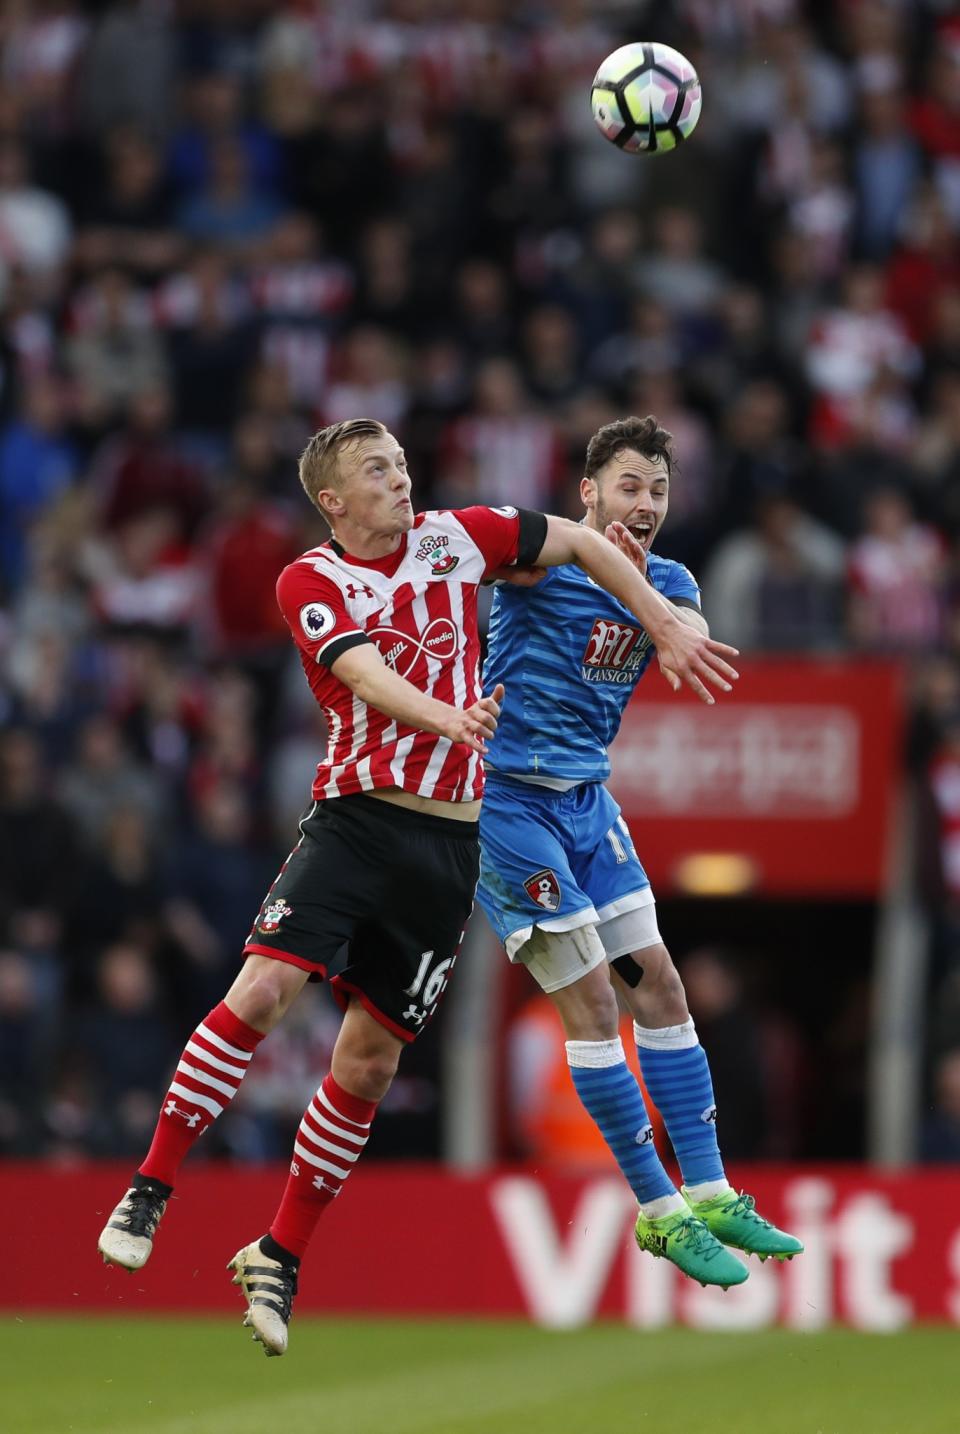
pixel 272 916
pixel 543 888
pixel 433 550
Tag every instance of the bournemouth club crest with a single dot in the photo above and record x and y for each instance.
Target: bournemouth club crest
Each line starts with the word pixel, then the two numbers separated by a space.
pixel 273 915
pixel 543 888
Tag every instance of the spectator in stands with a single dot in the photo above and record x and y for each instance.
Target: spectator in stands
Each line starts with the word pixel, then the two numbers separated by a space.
pixel 850 348
pixel 388 293
pixel 37 461
pixel 730 1032
pixel 604 276
pixel 887 163
pixel 214 117
pixel 229 209
pixel 121 1045
pixel 128 224
pixel 35 225
pixel 141 469
pixel 925 263
pixel 114 353
pixel 38 848
pixel 552 361
pixel 940 1138
pixel 120 896
pixel 127 71
pixel 27 1031
pixel 371 379
pixel 936 112
pixel 652 344
pixel 211 346
pixel 249 539
pixel 503 452
pixel 147 579
pixel 160 701
pixel 679 274
pixel 778 585
pixel 896 578
pixel 483 319
pixel 211 891
pixel 104 778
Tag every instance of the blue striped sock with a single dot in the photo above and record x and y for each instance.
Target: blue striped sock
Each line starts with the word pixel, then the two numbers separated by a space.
pixel 677 1075
pixel 610 1093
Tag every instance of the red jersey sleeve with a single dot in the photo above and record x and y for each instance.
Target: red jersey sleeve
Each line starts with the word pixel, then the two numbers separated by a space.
pixel 316 614
pixel 505 536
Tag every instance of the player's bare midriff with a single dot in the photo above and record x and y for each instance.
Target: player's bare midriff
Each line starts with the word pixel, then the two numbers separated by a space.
pixel 432 806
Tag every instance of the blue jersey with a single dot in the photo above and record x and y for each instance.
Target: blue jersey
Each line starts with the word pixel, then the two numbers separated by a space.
pixel 569 655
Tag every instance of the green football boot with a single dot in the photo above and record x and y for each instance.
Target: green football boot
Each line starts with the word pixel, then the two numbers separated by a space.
pixel 685 1240
pixel 733 1219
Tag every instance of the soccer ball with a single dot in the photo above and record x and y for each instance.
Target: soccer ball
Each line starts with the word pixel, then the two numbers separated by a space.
pixel 646 98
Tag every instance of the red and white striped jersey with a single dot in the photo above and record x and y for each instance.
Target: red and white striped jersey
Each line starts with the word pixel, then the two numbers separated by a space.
pixel 419 606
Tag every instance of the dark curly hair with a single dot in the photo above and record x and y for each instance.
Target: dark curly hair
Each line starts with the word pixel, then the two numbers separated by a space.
pixel 643 435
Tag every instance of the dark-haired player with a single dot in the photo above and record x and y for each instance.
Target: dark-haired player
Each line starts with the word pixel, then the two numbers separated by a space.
pixel 560 879
pixel 385 618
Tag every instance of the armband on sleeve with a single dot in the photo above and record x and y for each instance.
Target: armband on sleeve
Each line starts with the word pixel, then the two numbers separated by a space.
pixel 531 537
pixel 337 646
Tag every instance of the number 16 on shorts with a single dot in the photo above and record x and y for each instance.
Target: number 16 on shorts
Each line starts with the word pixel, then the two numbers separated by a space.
pixel 426 988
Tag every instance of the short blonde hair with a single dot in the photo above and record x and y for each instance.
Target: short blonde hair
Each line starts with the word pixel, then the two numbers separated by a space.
pixel 318 461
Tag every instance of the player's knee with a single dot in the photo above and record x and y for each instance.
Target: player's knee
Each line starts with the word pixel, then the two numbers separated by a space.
pixel 368 1073
pixel 673 998
pixel 660 999
pixel 262 994
pixel 588 1008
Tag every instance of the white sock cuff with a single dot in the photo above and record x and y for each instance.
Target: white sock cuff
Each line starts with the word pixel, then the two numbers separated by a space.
pixel 667 1038
pixel 596 1055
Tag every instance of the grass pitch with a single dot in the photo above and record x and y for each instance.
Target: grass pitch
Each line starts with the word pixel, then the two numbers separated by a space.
pixel 204 1376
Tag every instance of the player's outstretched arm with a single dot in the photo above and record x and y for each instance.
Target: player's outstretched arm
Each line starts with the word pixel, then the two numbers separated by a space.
pixel 621 535
pixel 693 656
pixel 364 671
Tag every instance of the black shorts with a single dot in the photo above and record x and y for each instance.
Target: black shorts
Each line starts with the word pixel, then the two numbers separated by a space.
pixel 393 886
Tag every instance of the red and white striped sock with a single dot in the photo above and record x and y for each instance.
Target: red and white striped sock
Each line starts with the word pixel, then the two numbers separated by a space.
pixel 214 1062
pixel 331 1138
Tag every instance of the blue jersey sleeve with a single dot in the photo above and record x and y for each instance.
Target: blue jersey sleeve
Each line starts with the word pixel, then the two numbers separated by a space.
pixel 676 582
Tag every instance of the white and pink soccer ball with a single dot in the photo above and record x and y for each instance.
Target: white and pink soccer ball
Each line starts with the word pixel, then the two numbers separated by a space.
pixel 646 98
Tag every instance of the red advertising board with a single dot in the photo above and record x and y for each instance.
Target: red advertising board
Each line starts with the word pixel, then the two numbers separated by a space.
pixel 882 1251
pixel 787 787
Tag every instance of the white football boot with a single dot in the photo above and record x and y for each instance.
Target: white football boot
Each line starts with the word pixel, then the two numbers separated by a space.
pixel 127 1237
pixel 269 1288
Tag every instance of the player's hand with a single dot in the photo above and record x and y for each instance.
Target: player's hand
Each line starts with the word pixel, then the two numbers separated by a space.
pixel 622 538
pixel 518 577
pixel 477 724
pixel 687 655
pixel 669 674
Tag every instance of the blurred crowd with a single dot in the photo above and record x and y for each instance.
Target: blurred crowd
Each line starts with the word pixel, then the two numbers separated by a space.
pixel 224 225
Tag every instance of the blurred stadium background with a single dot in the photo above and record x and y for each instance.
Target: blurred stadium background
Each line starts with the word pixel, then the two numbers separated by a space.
pixel 223 225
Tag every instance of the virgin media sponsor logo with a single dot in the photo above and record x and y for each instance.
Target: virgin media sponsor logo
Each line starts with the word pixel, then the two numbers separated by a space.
pixel 404 652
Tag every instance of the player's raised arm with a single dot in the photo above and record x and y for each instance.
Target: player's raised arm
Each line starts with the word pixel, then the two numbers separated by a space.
pixel 364 671
pixel 693 656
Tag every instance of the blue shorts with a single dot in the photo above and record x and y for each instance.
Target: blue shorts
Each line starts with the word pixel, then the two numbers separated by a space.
pixel 557 860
